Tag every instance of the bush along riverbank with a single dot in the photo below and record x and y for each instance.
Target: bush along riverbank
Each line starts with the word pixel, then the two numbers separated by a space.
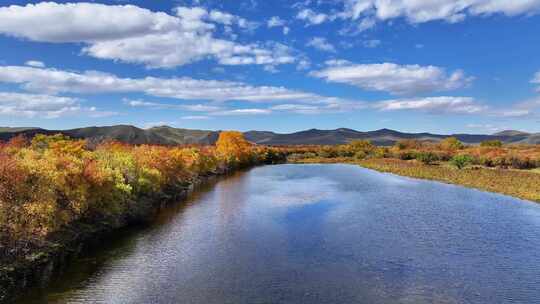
pixel 59 196
pixel 511 170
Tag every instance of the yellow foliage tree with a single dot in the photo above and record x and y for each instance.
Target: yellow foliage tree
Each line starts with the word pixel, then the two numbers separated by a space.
pixel 232 146
pixel 451 144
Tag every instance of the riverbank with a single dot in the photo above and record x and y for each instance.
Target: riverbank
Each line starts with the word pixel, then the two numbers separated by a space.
pixel 518 183
pixel 52 257
pixel 59 196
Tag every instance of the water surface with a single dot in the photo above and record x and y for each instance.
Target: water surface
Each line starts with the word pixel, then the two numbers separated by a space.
pixel 319 234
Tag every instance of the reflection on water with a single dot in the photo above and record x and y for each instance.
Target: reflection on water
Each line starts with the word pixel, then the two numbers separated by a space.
pixel 319 234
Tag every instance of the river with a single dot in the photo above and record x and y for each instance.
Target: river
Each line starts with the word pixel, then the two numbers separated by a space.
pixel 318 234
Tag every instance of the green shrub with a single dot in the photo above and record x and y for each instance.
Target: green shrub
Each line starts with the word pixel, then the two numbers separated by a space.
pixel 360 155
pixel 427 157
pixel 491 143
pixel 461 161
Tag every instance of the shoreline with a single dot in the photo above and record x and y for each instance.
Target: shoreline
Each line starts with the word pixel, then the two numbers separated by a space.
pixel 71 242
pixel 519 184
pixel 38 268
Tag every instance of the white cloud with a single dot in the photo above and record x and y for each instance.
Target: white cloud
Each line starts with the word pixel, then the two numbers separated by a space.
pixel 303 64
pixel 338 107
pixel 373 43
pixel 136 35
pixel 242 112
pixel 536 80
pixel 366 13
pixel 195 117
pixel 312 18
pixel 511 113
pixel 88 22
pixel 321 44
pixel 52 81
pixel 487 127
pixel 225 18
pixel 425 11
pixel 270 69
pixel 35 63
pixel 43 106
pixel 164 106
pixel 436 105
pixel 149 125
pixel 525 108
pixel 393 78
pixel 275 21
pixel 337 62
pixel 443 105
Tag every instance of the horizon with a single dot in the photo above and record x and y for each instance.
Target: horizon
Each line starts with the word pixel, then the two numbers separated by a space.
pixel 282 67
pixel 261 130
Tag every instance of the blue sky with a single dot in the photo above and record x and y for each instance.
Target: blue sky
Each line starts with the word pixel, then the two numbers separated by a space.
pixel 435 65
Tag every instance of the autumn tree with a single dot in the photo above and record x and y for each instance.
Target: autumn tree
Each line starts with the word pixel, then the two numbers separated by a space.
pixel 362 145
pixel 408 144
pixel 491 143
pixel 233 147
pixel 451 144
pixel 19 141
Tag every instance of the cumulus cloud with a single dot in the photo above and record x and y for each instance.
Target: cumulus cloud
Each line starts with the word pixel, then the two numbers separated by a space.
pixel 35 63
pixel 424 11
pixel 303 64
pixel 366 13
pixel 436 105
pixel 165 106
pixel 43 106
pixel 53 81
pixel 321 44
pixel 443 105
pixel 228 19
pixel 393 78
pixel 310 109
pixel 136 35
pixel 311 17
pixel 275 21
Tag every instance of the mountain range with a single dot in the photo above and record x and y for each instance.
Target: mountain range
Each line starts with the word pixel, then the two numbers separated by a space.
pixel 166 135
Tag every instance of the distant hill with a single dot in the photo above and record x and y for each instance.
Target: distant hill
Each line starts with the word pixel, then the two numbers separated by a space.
pixel 173 136
pixel 163 135
pixel 511 133
pixel 10 130
pixel 380 137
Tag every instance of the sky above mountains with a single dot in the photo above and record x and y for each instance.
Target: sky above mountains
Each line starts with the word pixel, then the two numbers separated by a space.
pixel 441 66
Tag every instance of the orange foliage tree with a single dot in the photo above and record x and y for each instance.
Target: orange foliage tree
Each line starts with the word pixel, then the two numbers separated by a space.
pixel 234 148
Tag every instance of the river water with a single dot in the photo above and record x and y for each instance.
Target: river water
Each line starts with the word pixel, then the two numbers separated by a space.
pixel 318 234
